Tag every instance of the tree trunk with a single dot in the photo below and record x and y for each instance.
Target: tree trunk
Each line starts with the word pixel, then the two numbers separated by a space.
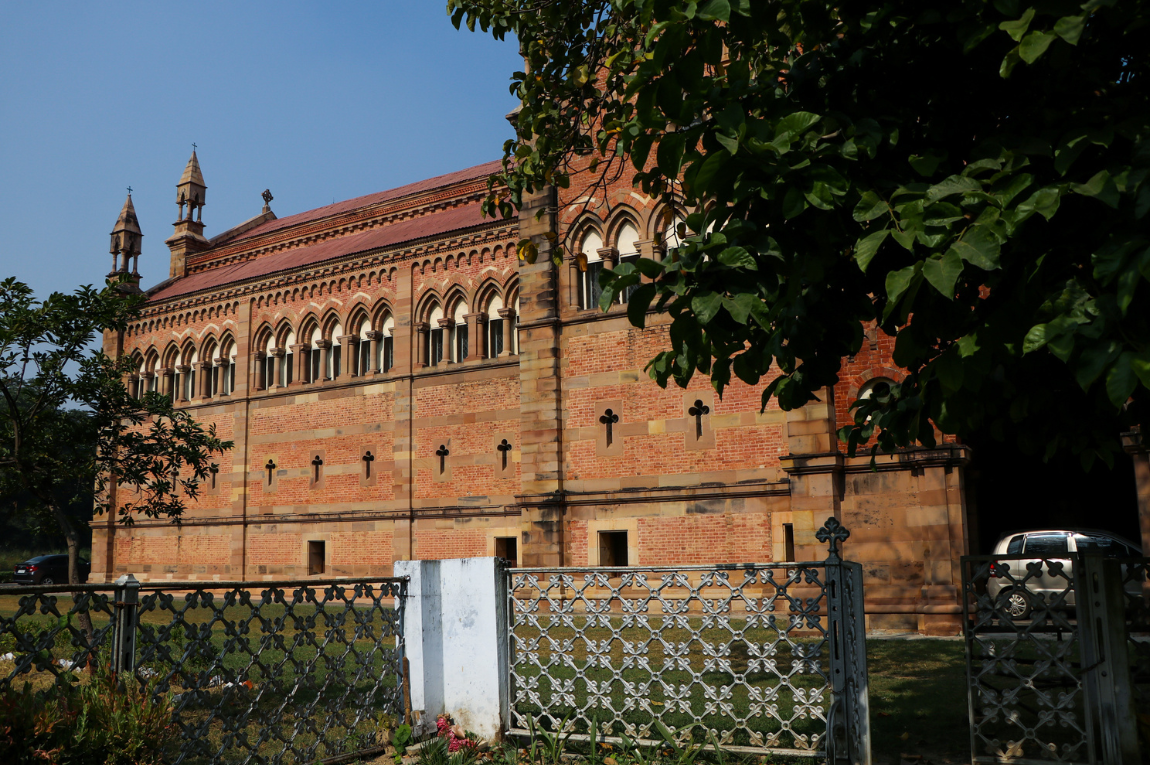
pixel 72 540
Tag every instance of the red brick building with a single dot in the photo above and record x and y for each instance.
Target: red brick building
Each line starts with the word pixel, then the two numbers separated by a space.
pixel 399 385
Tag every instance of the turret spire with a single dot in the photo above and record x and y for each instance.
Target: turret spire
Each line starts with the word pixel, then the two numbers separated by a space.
pixel 188 237
pixel 126 236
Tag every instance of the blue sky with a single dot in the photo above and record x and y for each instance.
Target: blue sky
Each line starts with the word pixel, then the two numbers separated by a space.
pixel 316 101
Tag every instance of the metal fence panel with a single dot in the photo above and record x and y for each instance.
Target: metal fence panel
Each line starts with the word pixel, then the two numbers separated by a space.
pixel 735 656
pixel 269 672
pixel 1047 646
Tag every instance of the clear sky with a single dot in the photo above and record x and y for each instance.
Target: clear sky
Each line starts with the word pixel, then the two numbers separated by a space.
pixel 316 101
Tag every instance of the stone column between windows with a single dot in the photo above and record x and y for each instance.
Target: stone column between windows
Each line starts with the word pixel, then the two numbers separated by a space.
pixel 260 372
pixel 324 355
pixel 508 316
pixel 448 339
pixel 181 375
pixel 421 344
pixel 373 337
pixel 204 382
pixel 349 344
pixel 476 324
pixel 299 359
pixel 134 386
pixel 166 375
pixel 280 355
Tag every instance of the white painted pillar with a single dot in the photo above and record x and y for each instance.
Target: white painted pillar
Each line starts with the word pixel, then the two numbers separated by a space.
pixel 455 632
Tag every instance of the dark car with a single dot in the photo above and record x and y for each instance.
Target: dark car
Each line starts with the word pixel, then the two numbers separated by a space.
pixel 48 569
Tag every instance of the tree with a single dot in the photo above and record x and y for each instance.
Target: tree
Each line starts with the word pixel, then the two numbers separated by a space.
pixel 68 419
pixel 971 176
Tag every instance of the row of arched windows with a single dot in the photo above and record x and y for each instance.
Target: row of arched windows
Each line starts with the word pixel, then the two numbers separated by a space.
pixel 593 253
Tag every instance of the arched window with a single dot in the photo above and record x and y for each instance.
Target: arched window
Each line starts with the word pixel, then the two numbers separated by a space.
pixel 191 361
pixel 228 369
pixel 270 362
pixel 515 334
pixel 287 368
pixel 363 362
pixel 626 244
pixel 212 358
pixel 494 327
pixel 335 353
pixel 387 344
pixel 313 360
pixel 459 330
pixel 671 238
pixel 869 388
pixel 435 337
pixel 590 266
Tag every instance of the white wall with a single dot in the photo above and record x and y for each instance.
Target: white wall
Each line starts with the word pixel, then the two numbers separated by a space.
pixel 454 627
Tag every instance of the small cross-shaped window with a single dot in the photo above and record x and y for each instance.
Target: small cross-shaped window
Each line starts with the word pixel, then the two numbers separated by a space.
pixel 316 464
pixel 697 411
pixel 504 447
pixel 442 453
pixel 270 467
pixel 367 458
pixel 212 471
pixel 609 418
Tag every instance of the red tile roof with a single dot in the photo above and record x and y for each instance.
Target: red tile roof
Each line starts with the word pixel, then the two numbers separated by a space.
pixel 458 176
pixel 451 219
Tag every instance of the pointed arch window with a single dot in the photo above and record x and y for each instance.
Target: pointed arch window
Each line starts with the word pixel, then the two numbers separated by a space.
pixel 494 327
pixel 270 362
pixel 287 367
pixel 191 361
pixel 363 360
pixel 314 358
pixel 335 353
pixel 227 373
pixel 435 337
pixel 590 266
pixel 459 332
pixel 212 370
pixel 387 345
pixel 627 245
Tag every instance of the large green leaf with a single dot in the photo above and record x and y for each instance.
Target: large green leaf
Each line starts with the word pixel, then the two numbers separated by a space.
pixel 867 247
pixel 942 272
pixel 705 305
pixel 870 206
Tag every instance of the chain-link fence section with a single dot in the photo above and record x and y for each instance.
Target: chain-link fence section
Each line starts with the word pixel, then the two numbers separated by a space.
pixel 267 672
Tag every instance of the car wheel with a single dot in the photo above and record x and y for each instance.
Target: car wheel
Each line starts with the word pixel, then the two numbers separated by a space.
pixel 1015 603
pixel 47 580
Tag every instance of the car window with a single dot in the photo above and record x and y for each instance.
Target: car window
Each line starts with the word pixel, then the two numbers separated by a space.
pixel 1015 546
pixel 1111 548
pixel 1046 545
pixel 39 559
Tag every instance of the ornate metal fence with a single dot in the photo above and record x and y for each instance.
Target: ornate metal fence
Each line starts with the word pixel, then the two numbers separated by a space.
pixel 1058 663
pixel 267 672
pixel 752 658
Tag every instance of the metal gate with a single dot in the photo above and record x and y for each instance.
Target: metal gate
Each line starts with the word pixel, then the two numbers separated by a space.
pixel 751 658
pixel 1058 659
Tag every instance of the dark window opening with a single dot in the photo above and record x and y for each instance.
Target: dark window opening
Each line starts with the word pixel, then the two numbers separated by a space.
pixel 507 548
pixel 613 548
pixel 435 346
pixel 336 361
pixel 495 337
pixel 364 358
pixel 313 360
pixel 589 289
pixel 789 542
pixel 1015 546
pixel 315 557
pixel 388 354
pixel 625 295
pixel 461 342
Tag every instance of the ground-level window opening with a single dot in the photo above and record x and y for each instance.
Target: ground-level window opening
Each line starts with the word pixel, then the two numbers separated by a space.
pixel 507 548
pixel 613 548
pixel 788 542
pixel 315 557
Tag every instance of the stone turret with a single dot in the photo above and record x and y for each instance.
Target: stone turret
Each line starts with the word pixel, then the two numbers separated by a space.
pixel 188 237
pixel 125 246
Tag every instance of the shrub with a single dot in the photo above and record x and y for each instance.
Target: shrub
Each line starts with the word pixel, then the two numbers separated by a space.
pixel 107 721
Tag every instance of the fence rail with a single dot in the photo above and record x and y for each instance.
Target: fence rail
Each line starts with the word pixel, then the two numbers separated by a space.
pixel 273 672
pixel 752 658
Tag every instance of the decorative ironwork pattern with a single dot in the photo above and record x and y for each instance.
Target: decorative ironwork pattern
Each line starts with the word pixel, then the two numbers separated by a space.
pixel 1048 679
pixel 267 672
pixel 738 656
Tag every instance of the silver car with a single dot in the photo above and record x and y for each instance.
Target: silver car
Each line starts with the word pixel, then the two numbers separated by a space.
pixel 1016 598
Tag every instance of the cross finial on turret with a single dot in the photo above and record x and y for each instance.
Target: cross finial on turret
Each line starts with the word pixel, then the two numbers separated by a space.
pixel 833 532
pixel 194 147
pixel 129 191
